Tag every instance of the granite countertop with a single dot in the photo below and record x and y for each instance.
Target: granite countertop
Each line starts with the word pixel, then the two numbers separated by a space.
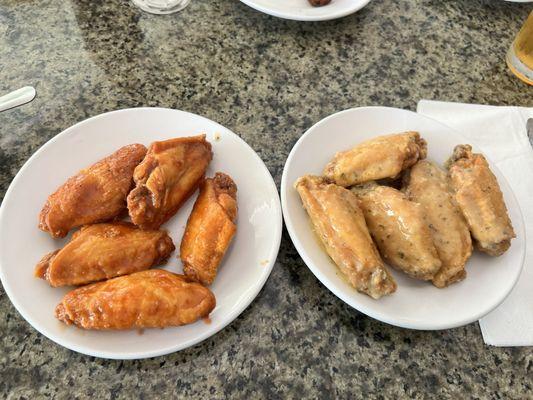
pixel 267 80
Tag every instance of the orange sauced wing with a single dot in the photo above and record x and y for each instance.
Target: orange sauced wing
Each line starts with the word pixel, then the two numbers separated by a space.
pixel 168 175
pixel 95 194
pixel 210 228
pixel 148 299
pixel 104 251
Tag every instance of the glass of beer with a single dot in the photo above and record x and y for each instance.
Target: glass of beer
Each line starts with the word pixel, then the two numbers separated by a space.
pixel 161 6
pixel 520 54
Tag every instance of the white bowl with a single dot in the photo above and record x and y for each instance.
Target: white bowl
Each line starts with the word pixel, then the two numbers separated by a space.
pixel 242 274
pixel 416 304
pixel 301 10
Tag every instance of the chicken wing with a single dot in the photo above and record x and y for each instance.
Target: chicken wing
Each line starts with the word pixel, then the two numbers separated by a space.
pixel 94 194
pixel 148 299
pixel 340 225
pixel 210 228
pixel 400 230
pixel 428 185
pixel 168 175
pixel 480 199
pixel 382 157
pixel 103 251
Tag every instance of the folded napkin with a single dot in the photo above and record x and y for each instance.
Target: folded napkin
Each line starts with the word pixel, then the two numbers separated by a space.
pixel 501 134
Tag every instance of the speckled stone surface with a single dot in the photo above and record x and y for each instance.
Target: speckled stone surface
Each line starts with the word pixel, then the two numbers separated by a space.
pixel 268 80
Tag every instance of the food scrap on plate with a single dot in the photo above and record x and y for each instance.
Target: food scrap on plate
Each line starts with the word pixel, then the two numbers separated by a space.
pixel 319 3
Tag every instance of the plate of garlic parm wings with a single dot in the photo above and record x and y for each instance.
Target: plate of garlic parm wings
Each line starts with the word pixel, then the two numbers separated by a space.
pixel 138 233
pixel 402 218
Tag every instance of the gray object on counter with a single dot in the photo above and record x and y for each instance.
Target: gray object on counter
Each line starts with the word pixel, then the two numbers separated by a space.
pixel 17 98
pixel 529 127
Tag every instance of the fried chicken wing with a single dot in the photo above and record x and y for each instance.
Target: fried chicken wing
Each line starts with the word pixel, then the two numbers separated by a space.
pixel 340 225
pixel 210 228
pixel 382 157
pixel 103 251
pixel 168 175
pixel 400 230
pixel 148 299
pixel 428 185
pixel 94 194
pixel 480 199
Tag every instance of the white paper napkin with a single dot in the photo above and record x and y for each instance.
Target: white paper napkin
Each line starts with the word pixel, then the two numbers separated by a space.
pixel 501 134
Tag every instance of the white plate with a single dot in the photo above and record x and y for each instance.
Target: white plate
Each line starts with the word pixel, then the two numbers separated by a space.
pixel 416 304
pixel 301 10
pixel 245 268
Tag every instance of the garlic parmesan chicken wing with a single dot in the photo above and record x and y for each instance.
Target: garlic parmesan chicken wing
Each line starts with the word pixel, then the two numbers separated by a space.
pixel 103 251
pixel 148 299
pixel 429 185
pixel 382 157
pixel 400 230
pixel 210 228
pixel 94 194
pixel 168 175
pixel 480 199
pixel 340 225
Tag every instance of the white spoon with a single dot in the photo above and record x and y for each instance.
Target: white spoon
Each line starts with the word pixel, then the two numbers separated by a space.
pixel 17 98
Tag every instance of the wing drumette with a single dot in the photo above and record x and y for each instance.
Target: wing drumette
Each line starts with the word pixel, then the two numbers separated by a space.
pixel 480 199
pixel 340 225
pixel 428 185
pixel 382 157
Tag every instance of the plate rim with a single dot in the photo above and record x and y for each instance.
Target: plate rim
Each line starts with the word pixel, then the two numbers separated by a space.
pixel 182 346
pixel 304 18
pixel 414 325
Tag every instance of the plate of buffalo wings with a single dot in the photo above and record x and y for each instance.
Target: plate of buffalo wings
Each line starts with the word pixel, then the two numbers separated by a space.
pixel 138 233
pixel 307 10
pixel 402 219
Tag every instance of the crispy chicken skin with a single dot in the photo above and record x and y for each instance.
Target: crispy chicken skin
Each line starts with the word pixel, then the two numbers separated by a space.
pixel 429 185
pixel 148 299
pixel 340 225
pixel 400 230
pixel 382 157
pixel 168 175
pixel 104 251
pixel 480 199
pixel 210 228
pixel 94 194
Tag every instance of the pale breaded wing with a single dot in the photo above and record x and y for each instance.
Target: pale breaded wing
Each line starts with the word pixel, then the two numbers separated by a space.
pixel 340 225
pixel 95 194
pixel 400 230
pixel 210 228
pixel 104 251
pixel 428 185
pixel 480 199
pixel 382 157
pixel 148 299
pixel 168 175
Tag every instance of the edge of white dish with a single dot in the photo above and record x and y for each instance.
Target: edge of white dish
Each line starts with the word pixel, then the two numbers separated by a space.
pixel 365 310
pixel 305 18
pixel 148 354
